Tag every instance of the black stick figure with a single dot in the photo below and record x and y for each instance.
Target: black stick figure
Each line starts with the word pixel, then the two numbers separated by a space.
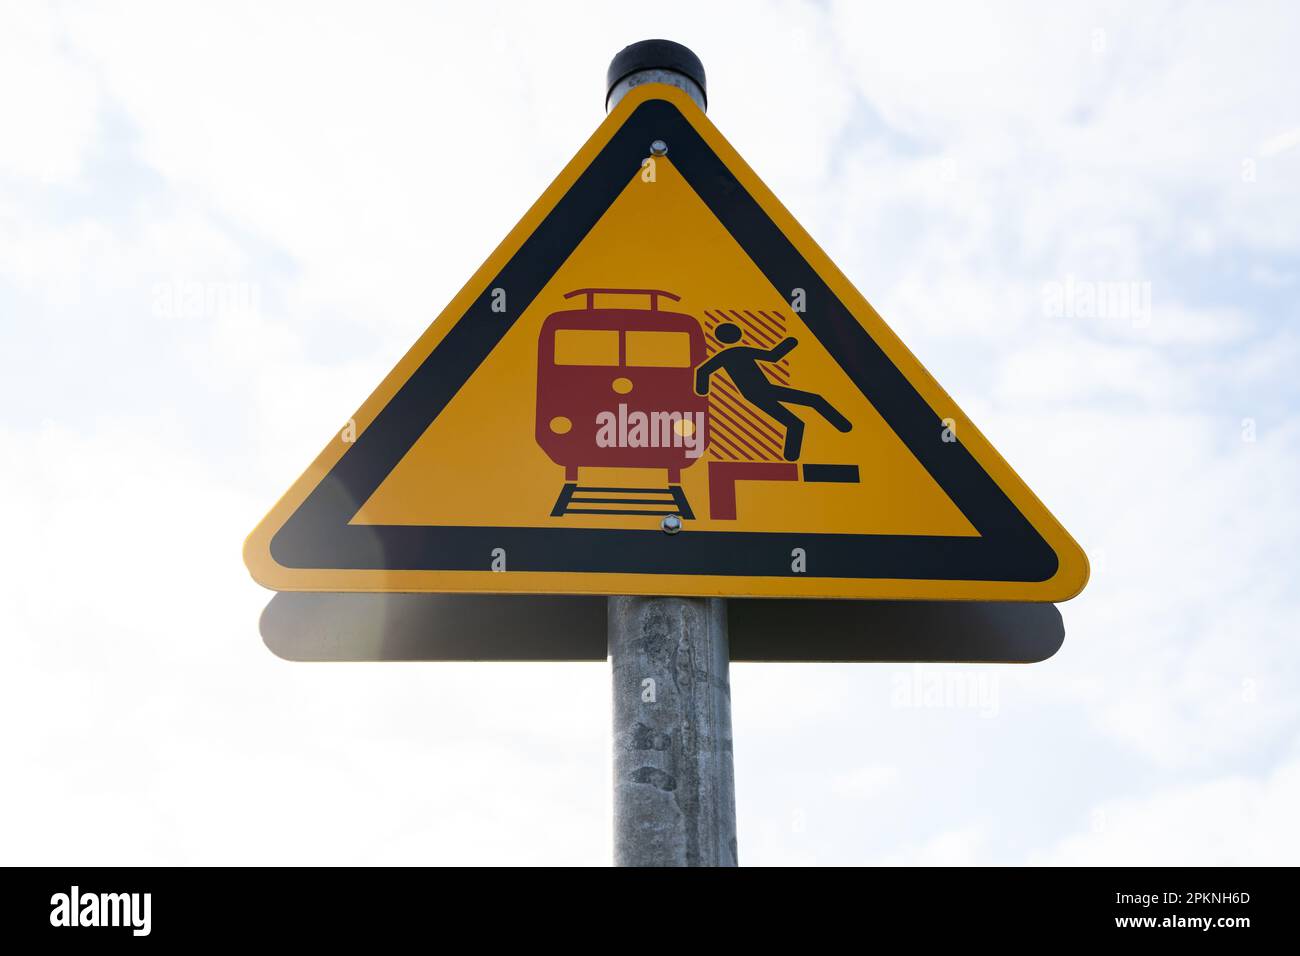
pixel 741 363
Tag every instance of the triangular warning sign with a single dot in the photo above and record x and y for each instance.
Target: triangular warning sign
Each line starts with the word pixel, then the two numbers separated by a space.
pixel 659 384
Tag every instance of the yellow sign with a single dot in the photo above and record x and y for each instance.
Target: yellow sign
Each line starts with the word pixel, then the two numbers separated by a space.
pixel 659 384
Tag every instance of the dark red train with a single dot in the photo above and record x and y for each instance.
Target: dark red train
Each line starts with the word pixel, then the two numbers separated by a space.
pixel 592 360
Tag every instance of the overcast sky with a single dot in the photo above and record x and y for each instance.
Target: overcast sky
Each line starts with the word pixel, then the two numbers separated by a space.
pixel 328 176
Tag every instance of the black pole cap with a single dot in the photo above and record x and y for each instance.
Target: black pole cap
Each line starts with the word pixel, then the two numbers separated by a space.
pixel 655 55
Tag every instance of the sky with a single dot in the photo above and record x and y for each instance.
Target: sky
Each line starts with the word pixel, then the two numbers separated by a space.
pixel 222 224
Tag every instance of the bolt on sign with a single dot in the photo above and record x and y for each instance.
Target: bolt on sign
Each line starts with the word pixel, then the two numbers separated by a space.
pixel 659 384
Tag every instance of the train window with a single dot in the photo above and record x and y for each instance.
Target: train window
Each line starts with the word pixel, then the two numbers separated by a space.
pixel 586 347
pixel 659 349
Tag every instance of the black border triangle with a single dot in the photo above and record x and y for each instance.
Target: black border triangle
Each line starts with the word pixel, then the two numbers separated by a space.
pixel 318 535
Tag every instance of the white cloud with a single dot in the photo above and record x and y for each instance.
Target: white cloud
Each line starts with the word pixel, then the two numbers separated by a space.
pixel 48 100
pixel 1229 821
pixel 1279 143
pixel 864 782
pixel 963 847
pixel 151 713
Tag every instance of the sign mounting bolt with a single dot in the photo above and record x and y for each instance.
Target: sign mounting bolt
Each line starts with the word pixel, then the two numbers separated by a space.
pixel 671 524
pixel 659 148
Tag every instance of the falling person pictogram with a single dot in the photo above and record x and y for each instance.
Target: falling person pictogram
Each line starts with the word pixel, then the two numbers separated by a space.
pixel 741 363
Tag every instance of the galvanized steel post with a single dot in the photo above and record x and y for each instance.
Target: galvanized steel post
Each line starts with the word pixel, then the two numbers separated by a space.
pixel 674 783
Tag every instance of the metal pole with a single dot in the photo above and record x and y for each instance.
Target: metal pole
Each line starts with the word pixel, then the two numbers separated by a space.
pixel 674 787
pixel 674 784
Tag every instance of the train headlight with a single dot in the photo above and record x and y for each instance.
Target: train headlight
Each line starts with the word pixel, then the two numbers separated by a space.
pixel 560 425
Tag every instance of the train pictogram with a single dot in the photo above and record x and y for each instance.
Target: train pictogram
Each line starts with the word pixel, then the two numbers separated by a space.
pixel 599 364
